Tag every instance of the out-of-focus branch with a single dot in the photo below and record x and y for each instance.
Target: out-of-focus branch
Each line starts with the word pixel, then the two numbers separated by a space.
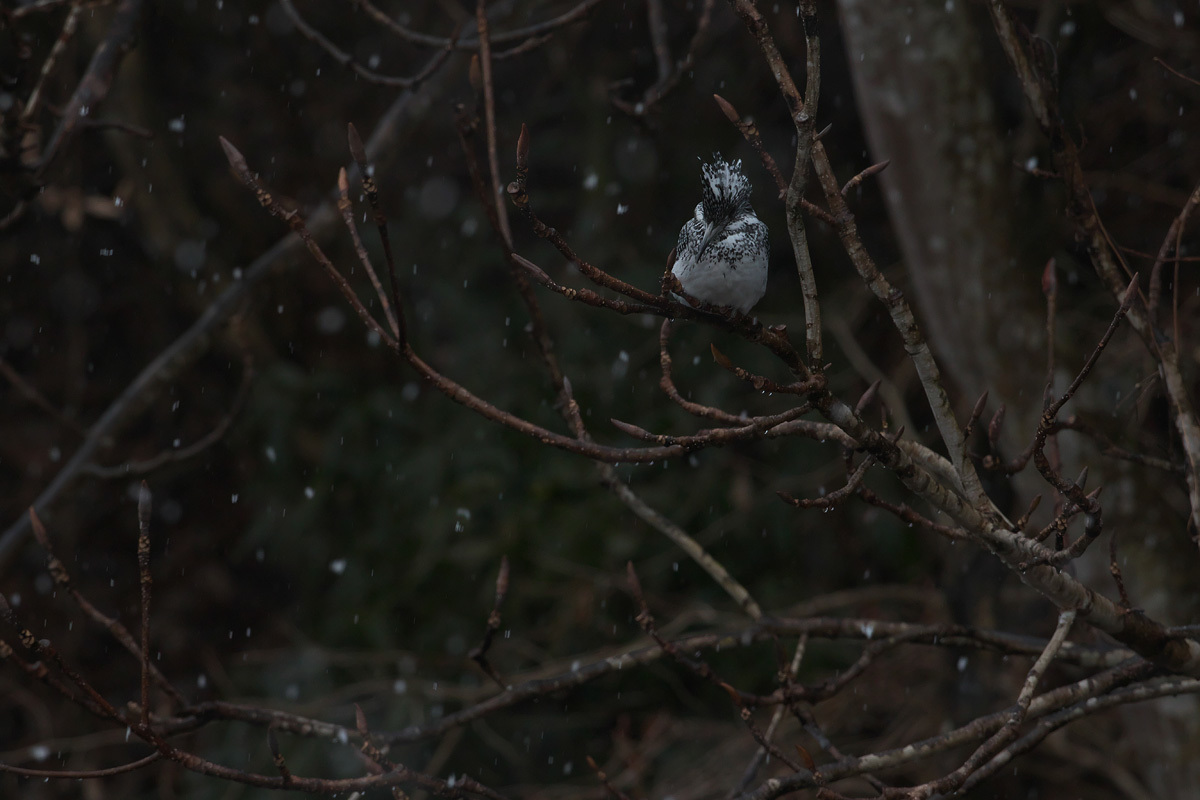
pixel 64 36
pixel 93 87
pixel 32 393
pixel 531 32
pixel 347 60
pixel 668 77
pixel 195 341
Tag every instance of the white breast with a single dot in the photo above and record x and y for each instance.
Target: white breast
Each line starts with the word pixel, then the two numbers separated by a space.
pixel 732 269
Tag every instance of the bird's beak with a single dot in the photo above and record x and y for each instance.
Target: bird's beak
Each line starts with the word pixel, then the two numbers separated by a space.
pixel 710 232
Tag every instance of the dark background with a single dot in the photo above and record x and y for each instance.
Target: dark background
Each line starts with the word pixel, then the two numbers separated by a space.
pixel 340 542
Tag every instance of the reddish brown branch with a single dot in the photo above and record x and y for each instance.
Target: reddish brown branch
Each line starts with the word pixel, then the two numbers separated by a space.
pixel 750 132
pixel 489 108
pixel 973 420
pixel 763 384
pixel 1074 491
pixel 837 496
pixel 870 171
pixel 667 384
pixel 906 513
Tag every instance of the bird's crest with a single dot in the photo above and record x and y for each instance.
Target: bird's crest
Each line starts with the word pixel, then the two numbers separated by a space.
pixel 726 188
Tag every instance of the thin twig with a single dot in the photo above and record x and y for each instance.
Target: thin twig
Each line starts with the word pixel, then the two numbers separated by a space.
pixel 277 758
pixel 144 509
pixel 62 579
pixel 347 60
pixel 392 311
pixel 1114 569
pixel 874 169
pixel 788 674
pixel 177 454
pixel 1174 71
pixel 1046 425
pixel 1172 242
pixel 489 110
pixel 667 80
pixel 694 550
pixel 37 398
pixel 973 420
pixel 667 384
pixel 479 654
pixel 837 496
pixel 81 774
pixel 519 35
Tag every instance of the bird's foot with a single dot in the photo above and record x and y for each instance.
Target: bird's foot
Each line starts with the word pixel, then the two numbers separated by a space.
pixel 671 284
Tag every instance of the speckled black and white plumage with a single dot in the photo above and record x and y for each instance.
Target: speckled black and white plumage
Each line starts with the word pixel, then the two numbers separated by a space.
pixel 721 255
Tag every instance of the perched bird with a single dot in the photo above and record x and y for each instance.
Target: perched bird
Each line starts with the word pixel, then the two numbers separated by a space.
pixel 721 255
